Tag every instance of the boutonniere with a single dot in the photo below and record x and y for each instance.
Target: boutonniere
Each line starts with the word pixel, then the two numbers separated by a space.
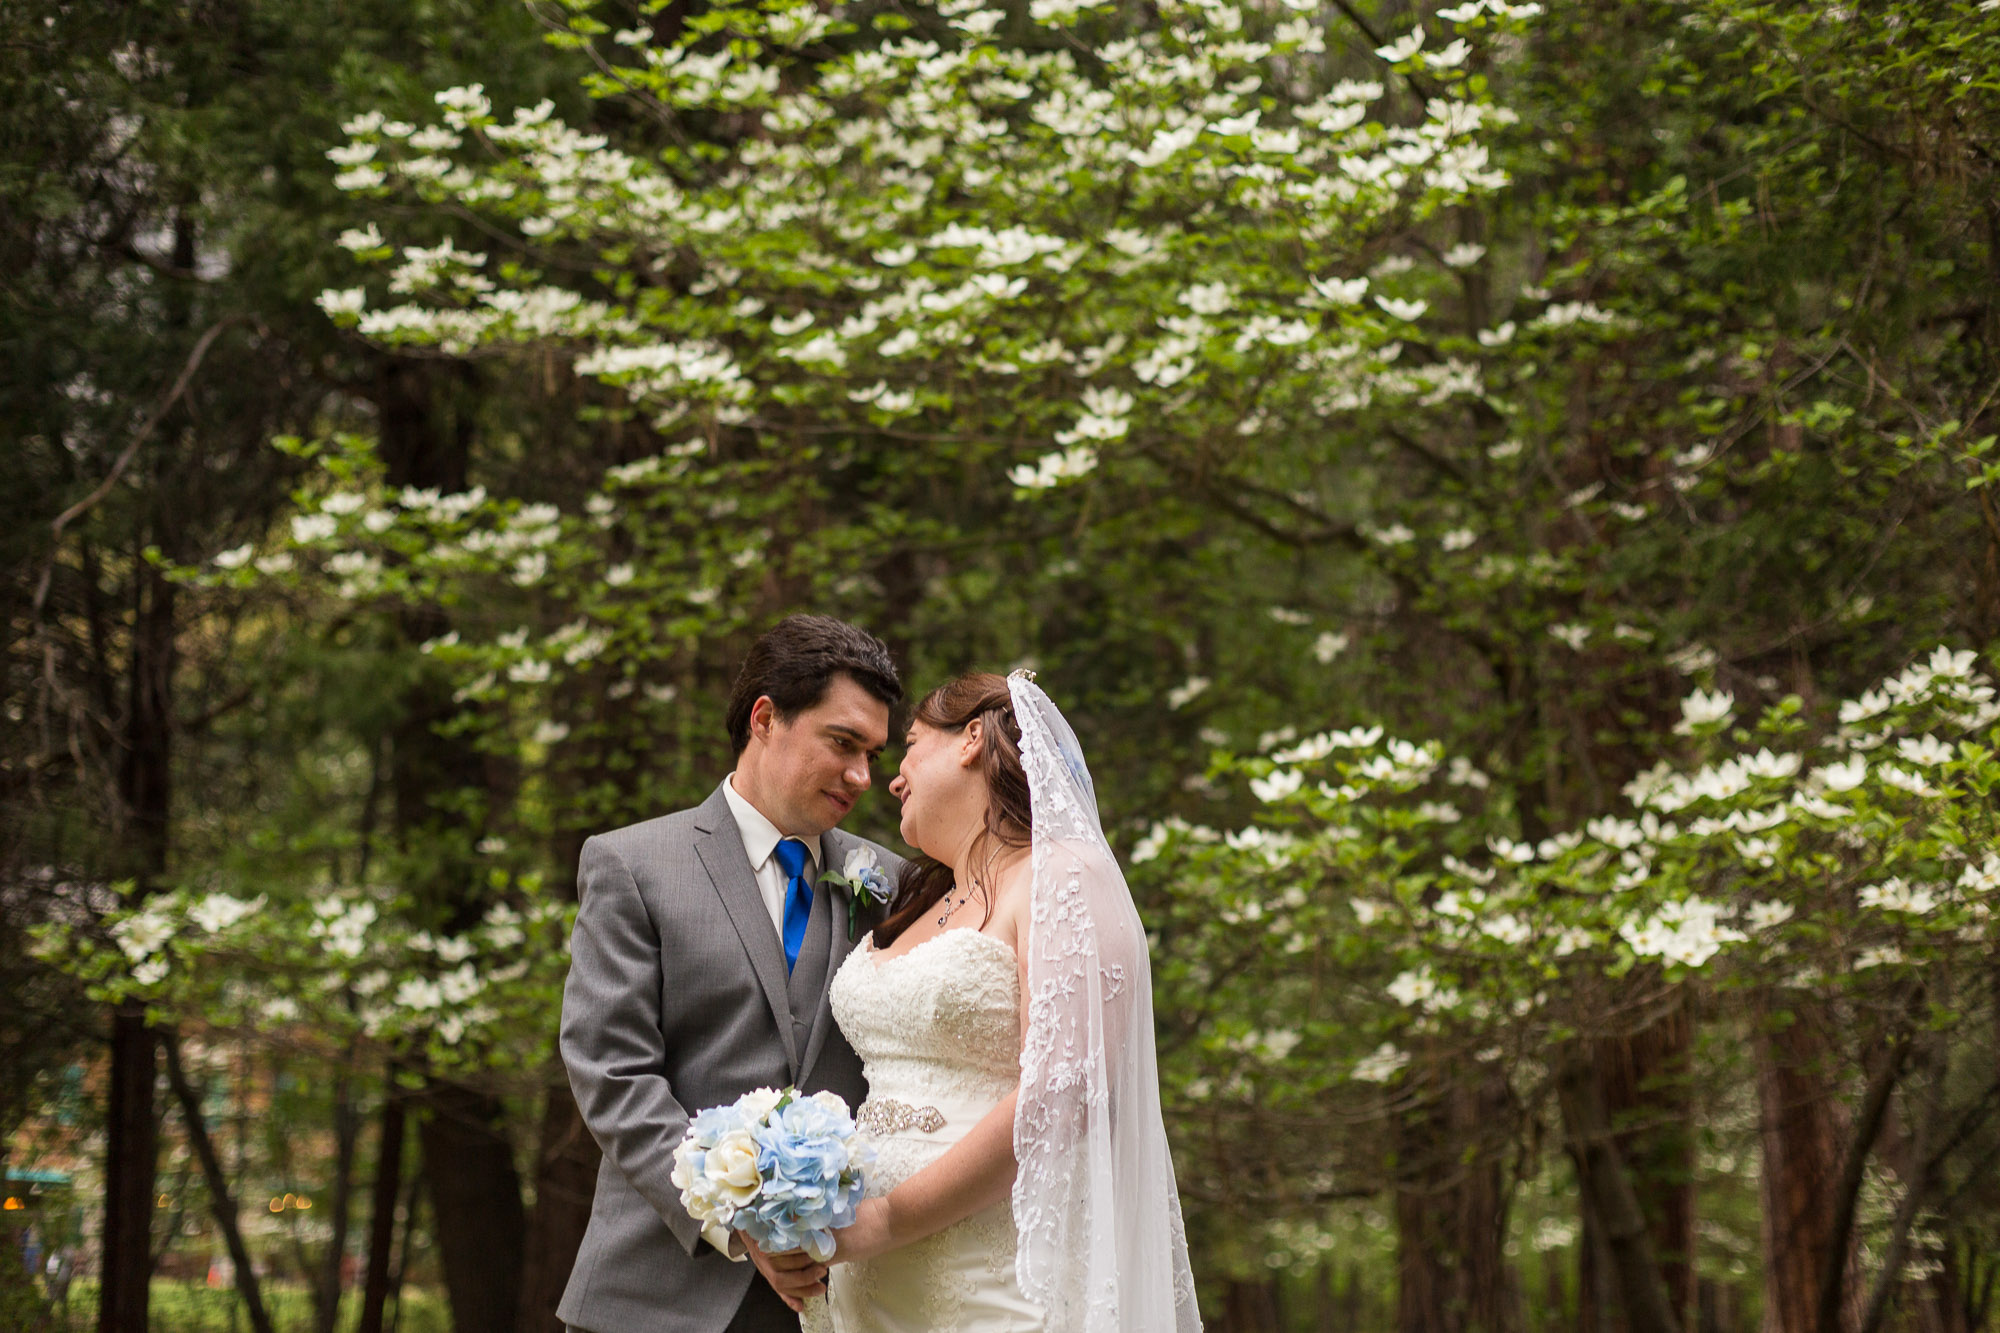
pixel 863 879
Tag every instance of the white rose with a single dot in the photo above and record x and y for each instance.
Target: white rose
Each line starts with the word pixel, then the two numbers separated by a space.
pixel 759 1104
pixel 858 860
pixel 832 1101
pixel 683 1174
pixel 731 1168
pixel 704 1207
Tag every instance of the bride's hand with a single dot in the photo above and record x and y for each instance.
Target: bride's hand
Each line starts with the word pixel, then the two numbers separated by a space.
pixel 868 1237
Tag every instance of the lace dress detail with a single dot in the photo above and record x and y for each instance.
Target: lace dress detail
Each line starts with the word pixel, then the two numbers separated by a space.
pixel 938 1032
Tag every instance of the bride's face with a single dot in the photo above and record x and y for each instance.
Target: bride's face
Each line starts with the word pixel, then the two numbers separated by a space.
pixel 943 794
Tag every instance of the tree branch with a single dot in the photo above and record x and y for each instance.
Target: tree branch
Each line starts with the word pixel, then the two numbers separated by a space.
pixel 221 1202
pixel 131 451
pixel 1846 1199
pixel 1437 461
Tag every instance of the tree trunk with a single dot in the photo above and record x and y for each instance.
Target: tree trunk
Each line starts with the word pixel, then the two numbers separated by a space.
pixel 130 1130
pixel 565 1183
pixel 1451 1215
pixel 1611 1206
pixel 566 1163
pixel 382 1204
pixel 1940 1308
pixel 1717 1306
pixel 1803 1129
pixel 475 1197
pixel 1642 1085
pixel 346 1129
pixel 413 1202
pixel 1978 1278
pixel 1839 1300
pixel 468 1163
pixel 131 1146
pixel 1248 1307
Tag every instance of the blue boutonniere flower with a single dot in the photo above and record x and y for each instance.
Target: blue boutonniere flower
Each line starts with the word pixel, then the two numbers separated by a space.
pixel 865 881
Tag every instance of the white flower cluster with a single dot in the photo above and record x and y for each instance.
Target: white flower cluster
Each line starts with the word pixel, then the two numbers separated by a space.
pixel 1667 791
pixel 1688 933
pixel 342 925
pixel 143 934
pixel 217 912
pixel 1155 841
pixel 1381 1065
pixel 1947 679
pixel 1893 895
pixel 952 206
pixel 1421 988
pixel 1055 468
pixel 1699 711
pixel 1277 785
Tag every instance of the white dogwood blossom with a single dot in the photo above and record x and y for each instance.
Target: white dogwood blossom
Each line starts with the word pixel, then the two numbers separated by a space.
pixel 1894 895
pixel 966 214
pixel 219 911
pixel 1383 1064
pixel 1278 785
pixel 1702 709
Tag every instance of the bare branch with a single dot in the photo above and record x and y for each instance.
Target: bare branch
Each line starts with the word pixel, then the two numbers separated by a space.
pixel 131 451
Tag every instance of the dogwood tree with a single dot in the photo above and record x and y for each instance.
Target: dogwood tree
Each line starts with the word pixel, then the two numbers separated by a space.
pixel 1386 906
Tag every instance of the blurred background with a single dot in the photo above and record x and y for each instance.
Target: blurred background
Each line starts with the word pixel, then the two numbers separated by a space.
pixel 1381 482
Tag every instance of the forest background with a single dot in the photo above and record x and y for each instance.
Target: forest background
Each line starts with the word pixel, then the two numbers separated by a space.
pixel 1508 511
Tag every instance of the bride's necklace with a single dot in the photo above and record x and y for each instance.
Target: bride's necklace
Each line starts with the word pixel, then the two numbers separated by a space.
pixel 951 904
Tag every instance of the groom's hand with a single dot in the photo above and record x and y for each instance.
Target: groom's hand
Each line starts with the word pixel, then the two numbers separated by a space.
pixel 794 1275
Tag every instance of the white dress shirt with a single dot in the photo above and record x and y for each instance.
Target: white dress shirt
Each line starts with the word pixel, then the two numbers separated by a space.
pixel 760 842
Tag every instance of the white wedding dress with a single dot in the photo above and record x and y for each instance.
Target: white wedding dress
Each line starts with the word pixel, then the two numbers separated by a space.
pixel 938 1030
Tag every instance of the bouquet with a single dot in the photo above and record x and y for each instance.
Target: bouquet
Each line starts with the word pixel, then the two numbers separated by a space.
pixel 783 1168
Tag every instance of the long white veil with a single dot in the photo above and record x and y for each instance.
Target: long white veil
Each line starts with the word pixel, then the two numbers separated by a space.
pixel 1102 1247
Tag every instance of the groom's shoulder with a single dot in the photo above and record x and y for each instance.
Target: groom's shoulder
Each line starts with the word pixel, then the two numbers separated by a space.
pixel 649 835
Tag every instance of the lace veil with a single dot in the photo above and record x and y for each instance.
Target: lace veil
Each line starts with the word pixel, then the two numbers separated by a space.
pixel 1101 1243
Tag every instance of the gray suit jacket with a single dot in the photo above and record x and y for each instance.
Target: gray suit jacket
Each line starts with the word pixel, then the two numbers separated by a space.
pixel 677 1001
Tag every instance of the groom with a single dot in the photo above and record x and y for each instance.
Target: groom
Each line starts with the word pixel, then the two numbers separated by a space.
pixel 699 967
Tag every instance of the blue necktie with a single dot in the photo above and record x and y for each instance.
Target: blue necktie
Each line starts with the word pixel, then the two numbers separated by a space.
pixel 791 855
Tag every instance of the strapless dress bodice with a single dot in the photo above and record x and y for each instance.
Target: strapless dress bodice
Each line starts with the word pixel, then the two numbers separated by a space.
pixel 938 1024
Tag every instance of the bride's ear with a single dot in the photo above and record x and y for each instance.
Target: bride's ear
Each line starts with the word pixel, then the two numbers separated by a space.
pixel 970 742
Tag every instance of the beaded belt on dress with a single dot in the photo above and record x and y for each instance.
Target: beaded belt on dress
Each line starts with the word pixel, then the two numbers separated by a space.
pixel 889 1116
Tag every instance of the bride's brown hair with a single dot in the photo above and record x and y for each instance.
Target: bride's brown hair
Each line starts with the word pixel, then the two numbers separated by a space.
pixel 983 697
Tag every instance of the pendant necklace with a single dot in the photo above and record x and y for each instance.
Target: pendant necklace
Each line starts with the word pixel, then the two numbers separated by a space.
pixel 951 905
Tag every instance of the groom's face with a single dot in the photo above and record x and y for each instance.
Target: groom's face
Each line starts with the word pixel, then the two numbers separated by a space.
pixel 811 768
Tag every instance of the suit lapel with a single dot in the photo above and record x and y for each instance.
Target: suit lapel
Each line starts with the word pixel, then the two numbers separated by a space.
pixel 836 845
pixel 721 850
pixel 809 977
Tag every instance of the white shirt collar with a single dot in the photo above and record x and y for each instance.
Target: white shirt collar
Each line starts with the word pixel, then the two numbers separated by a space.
pixel 760 835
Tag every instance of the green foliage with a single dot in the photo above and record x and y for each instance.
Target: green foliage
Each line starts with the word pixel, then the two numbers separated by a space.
pixel 183 1306
pixel 1242 370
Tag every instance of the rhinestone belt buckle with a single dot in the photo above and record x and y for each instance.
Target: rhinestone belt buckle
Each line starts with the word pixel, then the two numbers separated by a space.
pixel 889 1116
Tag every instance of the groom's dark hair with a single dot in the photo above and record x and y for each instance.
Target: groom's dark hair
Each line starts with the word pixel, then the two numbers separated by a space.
pixel 796 659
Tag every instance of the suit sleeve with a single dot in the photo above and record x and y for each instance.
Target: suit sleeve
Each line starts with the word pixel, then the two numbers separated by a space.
pixel 613 1037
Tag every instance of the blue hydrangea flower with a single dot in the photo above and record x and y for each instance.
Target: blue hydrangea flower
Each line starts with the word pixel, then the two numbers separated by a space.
pixel 810 1169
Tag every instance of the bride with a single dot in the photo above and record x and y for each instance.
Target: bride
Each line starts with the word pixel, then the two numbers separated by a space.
pixel 1004 1014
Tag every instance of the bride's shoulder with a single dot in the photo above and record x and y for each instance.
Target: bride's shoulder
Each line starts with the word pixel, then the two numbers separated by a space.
pixel 1012 887
pixel 1015 881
